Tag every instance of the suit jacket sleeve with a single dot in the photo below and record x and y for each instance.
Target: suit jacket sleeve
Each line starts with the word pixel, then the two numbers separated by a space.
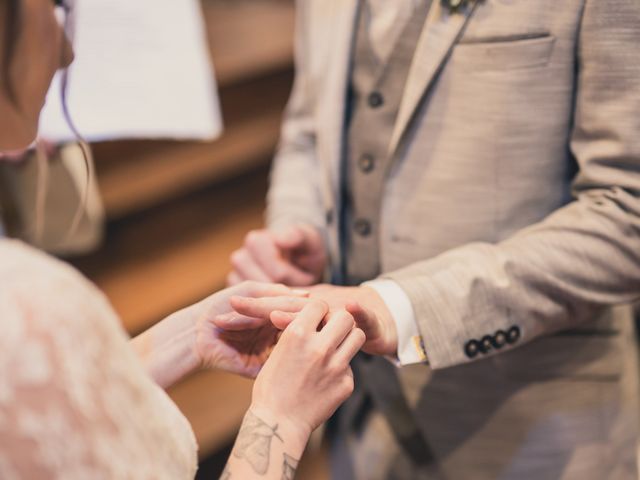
pixel 554 274
pixel 294 193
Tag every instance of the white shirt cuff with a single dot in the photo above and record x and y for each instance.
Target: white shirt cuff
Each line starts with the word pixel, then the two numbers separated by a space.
pixel 410 345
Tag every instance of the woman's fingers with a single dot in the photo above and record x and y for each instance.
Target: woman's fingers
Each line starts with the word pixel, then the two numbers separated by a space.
pixel 338 326
pixel 281 320
pixel 233 321
pixel 262 307
pixel 350 346
pixel 311 315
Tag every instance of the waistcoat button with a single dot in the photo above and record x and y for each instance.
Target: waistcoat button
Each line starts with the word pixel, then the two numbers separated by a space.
pixel 362 227
pixel 366 163
pixel 376 100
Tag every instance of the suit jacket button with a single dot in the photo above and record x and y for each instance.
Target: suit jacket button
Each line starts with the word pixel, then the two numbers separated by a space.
pixel 499 339
pixel 366 163
pixel 513 335
pixel 329 217
pixel 486 343
pixel 362 227
pixel 472 348
pixel 375 99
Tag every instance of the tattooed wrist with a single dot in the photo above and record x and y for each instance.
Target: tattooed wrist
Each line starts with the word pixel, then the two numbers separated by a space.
pixel 263 436
pixel 254 442
pixel 289 466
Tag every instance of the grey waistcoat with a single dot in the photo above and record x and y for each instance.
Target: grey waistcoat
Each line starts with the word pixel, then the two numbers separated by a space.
pixel 376 89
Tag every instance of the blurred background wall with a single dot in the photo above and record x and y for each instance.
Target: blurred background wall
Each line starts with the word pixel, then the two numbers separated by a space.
pixel 176 210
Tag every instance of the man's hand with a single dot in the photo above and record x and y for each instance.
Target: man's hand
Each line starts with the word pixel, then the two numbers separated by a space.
pixel 368 309
pixel 294 256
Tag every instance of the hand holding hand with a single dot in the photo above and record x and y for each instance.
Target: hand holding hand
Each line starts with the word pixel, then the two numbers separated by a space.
pixel 293 256
pixel 367 307
pixel 244 345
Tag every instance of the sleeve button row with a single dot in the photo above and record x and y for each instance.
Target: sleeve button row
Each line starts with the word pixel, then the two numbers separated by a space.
pixel 492 342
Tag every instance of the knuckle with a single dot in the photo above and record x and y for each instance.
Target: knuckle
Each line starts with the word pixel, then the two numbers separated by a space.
pixel 345 318
pixel 251 287
pixel 360 336
pixel 348 384
pixel 279 275
pixel 317 352
pixel 237 257
pixel 295 331
pixel 333 369
pixel 254 238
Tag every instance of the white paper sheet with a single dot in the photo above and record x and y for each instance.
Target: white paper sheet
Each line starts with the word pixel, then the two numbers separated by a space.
pixel 142 70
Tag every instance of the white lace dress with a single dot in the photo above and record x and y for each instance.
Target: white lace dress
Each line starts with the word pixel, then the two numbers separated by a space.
pixel 75 402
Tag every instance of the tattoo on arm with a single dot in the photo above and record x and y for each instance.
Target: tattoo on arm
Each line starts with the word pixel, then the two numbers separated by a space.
pixel 254 442
pixel 289 466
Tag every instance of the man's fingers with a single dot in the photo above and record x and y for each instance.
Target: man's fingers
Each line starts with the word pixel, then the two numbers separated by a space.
pixel 365 319
pixel 233 279
pixel 261 246
pixel 291 238
pixel 338 326
pixel 293 275
pixel 351 345
pixel 262 307
pixel 272 257
pixel 246 267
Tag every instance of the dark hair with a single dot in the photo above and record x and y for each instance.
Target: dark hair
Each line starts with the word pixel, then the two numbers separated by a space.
pixel 12 30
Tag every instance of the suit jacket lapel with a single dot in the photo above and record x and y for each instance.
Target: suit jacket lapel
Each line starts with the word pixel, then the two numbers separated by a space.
pixel 339 24
pixel 438 37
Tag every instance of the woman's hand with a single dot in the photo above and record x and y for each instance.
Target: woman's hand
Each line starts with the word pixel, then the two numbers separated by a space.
pixel 188 339
pixel 304 381
pixel 308 375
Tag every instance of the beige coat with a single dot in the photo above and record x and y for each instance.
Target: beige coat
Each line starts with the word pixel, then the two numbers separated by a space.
pixel 511 201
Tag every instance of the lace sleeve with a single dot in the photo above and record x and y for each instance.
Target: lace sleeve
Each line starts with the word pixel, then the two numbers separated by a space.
pixel 74 401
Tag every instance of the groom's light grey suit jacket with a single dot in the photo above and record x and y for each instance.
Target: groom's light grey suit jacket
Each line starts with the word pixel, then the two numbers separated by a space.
pixel 511 200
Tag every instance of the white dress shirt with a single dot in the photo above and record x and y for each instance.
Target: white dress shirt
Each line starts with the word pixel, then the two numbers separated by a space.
pixel 386 20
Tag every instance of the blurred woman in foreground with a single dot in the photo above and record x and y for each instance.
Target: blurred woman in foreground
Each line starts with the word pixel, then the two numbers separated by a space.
pixel 76 400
